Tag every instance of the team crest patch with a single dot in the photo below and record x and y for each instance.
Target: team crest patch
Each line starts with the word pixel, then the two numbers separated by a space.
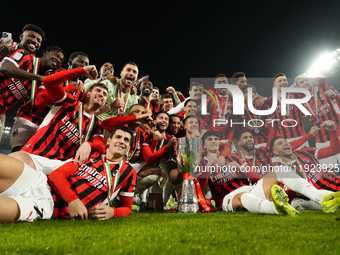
pixel 17 56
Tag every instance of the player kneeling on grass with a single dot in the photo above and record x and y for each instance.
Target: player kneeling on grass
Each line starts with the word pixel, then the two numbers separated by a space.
pixel 78 191
pixel 237 196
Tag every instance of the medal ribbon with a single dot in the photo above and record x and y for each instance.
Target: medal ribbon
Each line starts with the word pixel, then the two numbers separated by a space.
pixel 220 113
pixel 316 101
pixel 120 110
pixel 36 63
pixel 111 188
pixel 287 106
pixel 244 158
pixel 129 156
pixel 298 163
pixel 80 125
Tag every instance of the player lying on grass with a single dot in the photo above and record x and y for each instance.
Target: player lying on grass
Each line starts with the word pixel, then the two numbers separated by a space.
pixel 232 192
pixel 82 191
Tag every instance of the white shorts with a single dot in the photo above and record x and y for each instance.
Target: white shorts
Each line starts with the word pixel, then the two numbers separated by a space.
pixel 256 190
pixel 32 194
pixel 46 165
pixel 22 131
pixel 138 166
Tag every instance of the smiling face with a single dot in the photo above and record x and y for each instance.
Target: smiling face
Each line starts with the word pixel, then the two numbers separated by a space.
pixel 97 96
pixel 154 94
pixel 106 69
pixel 191 124
pixel 146 88
pixel 162 122
pixel 119 144
pixel 195 92
pixel 168 104
pixel 212 143
pixel 246 141
pixel 30 41
pixel 129 75
pixel 221 80
pixel 280 82
pixel 137 110
pixel 175 124
pixel 305 83
pixel 54 59
pixel 282 148
pixel 190 108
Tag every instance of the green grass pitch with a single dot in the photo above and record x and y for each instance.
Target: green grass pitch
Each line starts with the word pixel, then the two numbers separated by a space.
pixel 173 233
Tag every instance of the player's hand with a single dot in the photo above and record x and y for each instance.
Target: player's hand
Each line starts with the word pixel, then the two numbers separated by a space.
pixel 91 72
pixel 133 90
pixel 83 153
pixel 157 136
pixel 172 143
pixel 111 78
pixel 101 212
pixel 221 160
pixel 195 133
pixel 330 93
pixel 328 125
pixel 5 49
pixel 144 118
pixel 314 130
pixel 213 159
pixel 118 103
pixel 179 93
pixel 77 210
pixel 170 90
pixel 258 101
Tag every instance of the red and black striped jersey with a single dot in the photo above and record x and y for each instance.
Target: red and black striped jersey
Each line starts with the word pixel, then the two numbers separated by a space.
pixel 58 135
pixel 226 131
pixel 256 124
pixel 89 183
pixel 12 90
pixel 288 129
pixel 140 139
pixel 262 160
pixel 157 145
pixel 327 109
pixel 222 182
pixel 312 171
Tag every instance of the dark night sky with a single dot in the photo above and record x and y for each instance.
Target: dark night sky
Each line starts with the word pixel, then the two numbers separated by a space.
pixel 177 40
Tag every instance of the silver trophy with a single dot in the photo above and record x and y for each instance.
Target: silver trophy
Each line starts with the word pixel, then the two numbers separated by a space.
pixel 188 153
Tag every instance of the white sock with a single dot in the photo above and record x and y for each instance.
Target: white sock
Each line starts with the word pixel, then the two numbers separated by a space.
pixel 146 182
pixel 300 185
pixel 167 190
pixel 257 205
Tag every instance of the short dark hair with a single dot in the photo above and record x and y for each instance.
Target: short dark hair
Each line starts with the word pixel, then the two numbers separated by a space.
pixel 98 84
pixel 159 112
pixel 189 100
pixel 76 54
pixel 273 141
pixel 34 28
pixel 188 117
pixel 239 134
pixel 209 133
pixel 235 76
pixel 130 63
pixel 220 75
pixel 249 86
pixel 174 115
pixel 278 75
pixel 52 48
pixel 154 87
pixel 125 129
pixel 167 96
pixel 134 106
pixel 195 84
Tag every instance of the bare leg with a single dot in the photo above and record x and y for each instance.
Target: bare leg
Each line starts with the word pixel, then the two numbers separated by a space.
pixel 24 157
pixel 9 210
pixel 10 170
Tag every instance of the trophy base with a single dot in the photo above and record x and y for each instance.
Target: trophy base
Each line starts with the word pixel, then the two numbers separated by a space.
pixel 188 208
